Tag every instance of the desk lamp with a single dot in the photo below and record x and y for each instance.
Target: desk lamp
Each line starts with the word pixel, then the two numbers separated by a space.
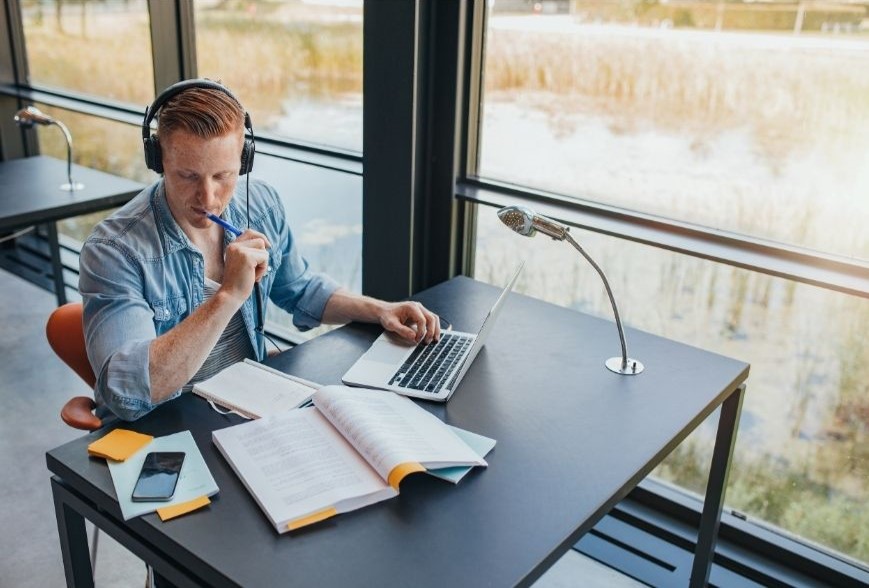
pixel 525 222
pixel 27 117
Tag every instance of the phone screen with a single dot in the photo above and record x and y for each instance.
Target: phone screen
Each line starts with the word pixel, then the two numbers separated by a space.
pixel 159 476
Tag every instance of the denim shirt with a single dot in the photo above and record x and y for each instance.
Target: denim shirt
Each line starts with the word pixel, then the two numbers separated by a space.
pixel 140 276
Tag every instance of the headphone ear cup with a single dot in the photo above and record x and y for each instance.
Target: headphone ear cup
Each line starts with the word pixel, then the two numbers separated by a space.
pixel 153 154
pixel 247 153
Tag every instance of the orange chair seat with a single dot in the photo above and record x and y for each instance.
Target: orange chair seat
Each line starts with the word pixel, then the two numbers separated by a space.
pixel 65 334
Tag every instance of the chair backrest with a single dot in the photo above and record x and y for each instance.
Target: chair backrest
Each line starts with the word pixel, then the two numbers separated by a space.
pixel 65 334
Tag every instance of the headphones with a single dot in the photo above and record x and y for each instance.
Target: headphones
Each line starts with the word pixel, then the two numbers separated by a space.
pixel 153 153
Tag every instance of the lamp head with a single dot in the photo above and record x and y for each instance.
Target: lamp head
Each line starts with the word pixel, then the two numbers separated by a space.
pixel 526 222
pixel 27 117
pixel 518 218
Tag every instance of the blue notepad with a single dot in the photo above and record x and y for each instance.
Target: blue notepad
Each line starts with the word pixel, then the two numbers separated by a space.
pixel 195 480
pixel 480 444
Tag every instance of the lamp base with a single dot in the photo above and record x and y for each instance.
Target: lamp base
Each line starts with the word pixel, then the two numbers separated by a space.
pixel 632 368
pixel 72 186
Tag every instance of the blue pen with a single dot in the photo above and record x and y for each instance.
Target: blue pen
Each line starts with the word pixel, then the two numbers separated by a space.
pixel 223 223
pixel 229 227
pixel 258 297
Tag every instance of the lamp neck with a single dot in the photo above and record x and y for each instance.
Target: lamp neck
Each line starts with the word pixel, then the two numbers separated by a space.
pixel 570 239
pixel 68 137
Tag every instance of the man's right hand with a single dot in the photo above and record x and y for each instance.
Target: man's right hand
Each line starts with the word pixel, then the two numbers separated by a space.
pixel 245 262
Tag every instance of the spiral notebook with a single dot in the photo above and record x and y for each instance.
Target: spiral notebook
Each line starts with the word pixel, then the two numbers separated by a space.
pixel 254 390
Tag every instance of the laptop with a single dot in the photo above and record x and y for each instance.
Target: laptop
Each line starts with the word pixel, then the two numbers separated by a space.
pixel 431 372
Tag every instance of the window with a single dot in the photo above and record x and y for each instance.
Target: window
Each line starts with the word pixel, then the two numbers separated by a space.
pixel 748 117
pixel 98 48
pixel 324 211
pixel 296 66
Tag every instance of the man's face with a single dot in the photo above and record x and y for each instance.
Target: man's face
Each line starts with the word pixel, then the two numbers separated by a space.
pixel 200 175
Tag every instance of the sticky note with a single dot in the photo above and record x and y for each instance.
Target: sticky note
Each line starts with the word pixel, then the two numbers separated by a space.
pixel 176 510
pixel 399 472
pixel 119 444
pixel 318 516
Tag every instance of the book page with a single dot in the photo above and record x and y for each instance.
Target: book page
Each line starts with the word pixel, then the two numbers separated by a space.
pixel 296 464
pixel 389 430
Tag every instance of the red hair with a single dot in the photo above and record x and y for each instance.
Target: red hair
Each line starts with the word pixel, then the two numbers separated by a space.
pixel 205 112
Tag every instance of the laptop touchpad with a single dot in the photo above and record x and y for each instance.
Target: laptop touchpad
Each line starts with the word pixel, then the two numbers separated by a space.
pixel 388 349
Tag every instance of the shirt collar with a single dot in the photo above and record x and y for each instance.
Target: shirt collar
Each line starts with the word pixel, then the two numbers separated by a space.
pixel 172 235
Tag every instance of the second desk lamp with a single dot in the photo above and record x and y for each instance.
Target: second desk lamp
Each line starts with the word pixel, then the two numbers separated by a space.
pixel 27 117
pixel 525 222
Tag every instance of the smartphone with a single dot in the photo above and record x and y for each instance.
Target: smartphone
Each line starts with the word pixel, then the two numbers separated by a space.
pixel 159 476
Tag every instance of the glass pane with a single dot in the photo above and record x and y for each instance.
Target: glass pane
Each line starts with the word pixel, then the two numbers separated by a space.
pixel 296 66
pixel 743 116
pixel 324 211
pixel 802 454
pixel 69 44
pixel 98 143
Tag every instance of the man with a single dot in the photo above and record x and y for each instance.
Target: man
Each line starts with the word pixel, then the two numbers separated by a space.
pixel 170 296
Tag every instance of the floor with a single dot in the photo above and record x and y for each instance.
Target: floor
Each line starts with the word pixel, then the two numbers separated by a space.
pixel 34 385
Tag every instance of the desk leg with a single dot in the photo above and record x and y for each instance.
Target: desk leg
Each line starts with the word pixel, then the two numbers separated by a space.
pixel 719 471
pixel 56 265
pixel 73 543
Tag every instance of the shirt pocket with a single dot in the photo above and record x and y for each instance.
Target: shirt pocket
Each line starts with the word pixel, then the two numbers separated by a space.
pixel 168 312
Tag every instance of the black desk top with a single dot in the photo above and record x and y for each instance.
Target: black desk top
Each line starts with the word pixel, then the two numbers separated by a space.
pixel 573 439
pixel 30 191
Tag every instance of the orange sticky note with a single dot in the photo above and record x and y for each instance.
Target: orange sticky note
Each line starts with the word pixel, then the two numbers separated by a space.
pixel 176 510
pixel 119 444
pixel 399 472
pixel 318 516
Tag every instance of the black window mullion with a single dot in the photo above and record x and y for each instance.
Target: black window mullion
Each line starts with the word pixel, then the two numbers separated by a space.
pixel 390 149
pixel 14 142
pixel 416 57
pixel 173 41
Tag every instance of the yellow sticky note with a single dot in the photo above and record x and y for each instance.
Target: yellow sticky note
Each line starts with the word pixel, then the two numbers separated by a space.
pixel 318 516
pixel 401 470
pixel 176 510
pixel 119 444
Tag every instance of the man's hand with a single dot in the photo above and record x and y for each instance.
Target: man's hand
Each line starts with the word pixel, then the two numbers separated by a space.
pixel 411 321
pixel 245 261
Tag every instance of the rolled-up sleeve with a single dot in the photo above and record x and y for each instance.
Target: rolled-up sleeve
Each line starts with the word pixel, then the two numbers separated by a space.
pixel 312 303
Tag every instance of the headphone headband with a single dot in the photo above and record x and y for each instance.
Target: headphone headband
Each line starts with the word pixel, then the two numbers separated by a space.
pixel 153 155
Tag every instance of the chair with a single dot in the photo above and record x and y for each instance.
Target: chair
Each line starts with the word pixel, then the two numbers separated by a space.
pixel 65 334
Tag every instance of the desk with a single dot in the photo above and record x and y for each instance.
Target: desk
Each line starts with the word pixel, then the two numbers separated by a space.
pixel 573 439
pixel 30 194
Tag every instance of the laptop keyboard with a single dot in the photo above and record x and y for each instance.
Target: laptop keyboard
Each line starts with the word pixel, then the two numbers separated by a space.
pixel 429 366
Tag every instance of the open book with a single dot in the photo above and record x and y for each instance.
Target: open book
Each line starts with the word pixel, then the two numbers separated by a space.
pixel 351 449
pixel 254 390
